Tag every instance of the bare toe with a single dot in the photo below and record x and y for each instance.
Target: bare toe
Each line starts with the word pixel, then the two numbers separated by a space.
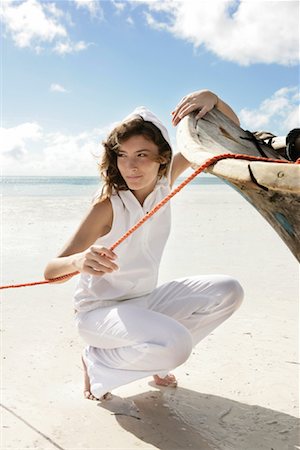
pixel 87 387
pixel 168 380
pixel 107 396
pixel 89 396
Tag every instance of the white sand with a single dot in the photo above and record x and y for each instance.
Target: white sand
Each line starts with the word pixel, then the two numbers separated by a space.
pixel 239 389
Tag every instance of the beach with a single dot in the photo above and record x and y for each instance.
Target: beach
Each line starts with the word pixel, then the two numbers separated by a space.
pixel 239 389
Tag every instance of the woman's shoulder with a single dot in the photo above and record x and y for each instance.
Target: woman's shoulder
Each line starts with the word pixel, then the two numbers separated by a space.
pixel 101 214
pixel 102 206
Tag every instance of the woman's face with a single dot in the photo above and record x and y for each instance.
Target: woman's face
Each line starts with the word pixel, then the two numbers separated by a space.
pixel 137 162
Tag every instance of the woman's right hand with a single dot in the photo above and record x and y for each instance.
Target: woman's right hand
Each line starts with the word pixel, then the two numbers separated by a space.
pixel 95 260
pixel 203 101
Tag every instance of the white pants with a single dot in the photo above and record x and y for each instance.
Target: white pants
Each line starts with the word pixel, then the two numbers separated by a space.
pixel 155 333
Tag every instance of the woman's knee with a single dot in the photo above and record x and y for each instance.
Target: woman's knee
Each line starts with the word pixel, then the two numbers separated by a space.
pixel 178 347
pixel 232 291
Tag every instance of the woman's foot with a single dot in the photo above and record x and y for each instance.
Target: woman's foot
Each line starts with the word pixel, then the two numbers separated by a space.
pixel 168 380
pixel 87 387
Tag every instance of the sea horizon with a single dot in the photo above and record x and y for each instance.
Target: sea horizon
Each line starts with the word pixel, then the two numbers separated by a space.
pixel 35 185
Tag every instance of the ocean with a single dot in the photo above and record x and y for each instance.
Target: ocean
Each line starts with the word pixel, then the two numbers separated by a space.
pixel 47 186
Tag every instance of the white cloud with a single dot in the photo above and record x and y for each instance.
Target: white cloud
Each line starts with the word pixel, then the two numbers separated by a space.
pixel 55 87
pixel 277 114
pixel 120 6
pixel 130 20
pixel 27 149
pixel 153 23
pixel 28 22
pixel 14 141
pixel 66 47
pixel 32 24
pixel 93 7
pixel 293 118
pixel 244 32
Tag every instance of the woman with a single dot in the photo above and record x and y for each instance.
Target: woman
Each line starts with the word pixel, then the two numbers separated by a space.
pixel 132 327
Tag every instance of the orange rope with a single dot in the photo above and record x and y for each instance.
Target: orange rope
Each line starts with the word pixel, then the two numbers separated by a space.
pixel 200 169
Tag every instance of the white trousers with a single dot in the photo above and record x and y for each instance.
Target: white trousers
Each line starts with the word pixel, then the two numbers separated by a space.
pixel 155 333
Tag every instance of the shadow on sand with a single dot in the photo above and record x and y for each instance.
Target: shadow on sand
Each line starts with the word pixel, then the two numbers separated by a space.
pixel 171 419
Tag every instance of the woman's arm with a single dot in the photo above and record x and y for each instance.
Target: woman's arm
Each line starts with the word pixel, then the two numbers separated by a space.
pixel 79 254
pixel 204 101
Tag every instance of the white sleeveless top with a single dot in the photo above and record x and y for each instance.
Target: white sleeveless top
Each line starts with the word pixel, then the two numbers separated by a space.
pixel 138 256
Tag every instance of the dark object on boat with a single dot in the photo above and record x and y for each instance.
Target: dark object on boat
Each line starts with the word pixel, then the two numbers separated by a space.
pixel 272 188
pixel 293 144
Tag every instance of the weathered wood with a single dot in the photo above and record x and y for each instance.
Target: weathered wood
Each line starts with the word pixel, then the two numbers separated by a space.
pixel 272 188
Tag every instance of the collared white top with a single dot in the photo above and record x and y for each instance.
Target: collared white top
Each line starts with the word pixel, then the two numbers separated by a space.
pixel 138 256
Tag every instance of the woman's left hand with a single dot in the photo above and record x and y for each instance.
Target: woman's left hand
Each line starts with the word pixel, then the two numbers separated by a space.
pixel 203 100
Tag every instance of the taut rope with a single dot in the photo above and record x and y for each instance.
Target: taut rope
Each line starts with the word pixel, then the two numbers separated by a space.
pixel 200 169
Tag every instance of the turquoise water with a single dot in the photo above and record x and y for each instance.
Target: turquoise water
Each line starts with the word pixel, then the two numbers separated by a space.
pixel 67 186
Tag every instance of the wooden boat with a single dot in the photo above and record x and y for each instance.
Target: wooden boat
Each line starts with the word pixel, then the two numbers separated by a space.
pixel 272 188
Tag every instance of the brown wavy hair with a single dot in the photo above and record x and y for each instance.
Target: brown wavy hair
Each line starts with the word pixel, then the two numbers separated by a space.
pixel 108 167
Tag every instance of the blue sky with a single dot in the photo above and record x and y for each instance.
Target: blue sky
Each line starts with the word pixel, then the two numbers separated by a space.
pixel 71 69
